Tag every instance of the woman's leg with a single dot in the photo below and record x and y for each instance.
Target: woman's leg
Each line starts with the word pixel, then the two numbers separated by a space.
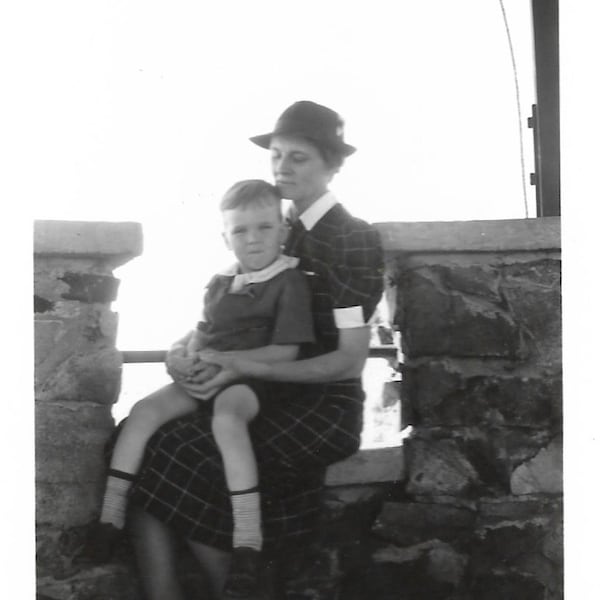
pixel 155 553
pixel 215 565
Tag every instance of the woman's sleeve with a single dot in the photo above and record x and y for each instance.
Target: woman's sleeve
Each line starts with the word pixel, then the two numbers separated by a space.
pixel 356 276
pixel 293 319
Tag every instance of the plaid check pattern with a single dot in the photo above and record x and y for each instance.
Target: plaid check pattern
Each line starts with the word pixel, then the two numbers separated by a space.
pixel 300 429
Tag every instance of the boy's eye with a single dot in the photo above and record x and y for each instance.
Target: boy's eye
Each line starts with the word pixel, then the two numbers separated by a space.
pixel 266 226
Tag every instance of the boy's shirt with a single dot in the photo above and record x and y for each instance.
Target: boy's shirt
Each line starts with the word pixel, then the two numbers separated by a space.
pixel 250 310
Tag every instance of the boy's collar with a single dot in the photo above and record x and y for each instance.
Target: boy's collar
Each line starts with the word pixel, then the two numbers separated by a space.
pixel 280 264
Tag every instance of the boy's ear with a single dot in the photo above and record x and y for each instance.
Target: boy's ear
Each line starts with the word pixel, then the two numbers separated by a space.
pixel 226 240
pixel 284 231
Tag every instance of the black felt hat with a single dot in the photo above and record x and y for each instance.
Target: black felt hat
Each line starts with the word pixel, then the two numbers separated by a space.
pixel 317 123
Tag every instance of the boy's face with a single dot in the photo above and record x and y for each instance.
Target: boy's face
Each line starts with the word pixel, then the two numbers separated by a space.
pixel 254 234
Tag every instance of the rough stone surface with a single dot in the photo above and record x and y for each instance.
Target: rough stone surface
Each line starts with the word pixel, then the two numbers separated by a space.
pixel 445 393
pixel 541 474
pixel 92 377
pixel 533 294
pixel 70 441
pixel 438 468
pixel 67 504
pixel 408 523
pixel 435 321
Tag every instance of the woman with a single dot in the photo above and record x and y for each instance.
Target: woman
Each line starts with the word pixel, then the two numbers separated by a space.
pixel 314 416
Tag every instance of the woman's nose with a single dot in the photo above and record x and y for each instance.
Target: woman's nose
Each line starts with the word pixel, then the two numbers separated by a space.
pixel 282 165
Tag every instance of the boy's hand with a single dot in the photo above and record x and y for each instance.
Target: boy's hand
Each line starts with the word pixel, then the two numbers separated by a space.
pixel 178 363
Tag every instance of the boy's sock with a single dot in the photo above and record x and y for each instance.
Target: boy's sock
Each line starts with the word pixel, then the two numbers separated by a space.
pixel 247 529
pixel 114 504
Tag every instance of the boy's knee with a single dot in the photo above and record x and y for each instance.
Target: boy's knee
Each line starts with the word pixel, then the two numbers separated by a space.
pixel 235 403
pixel 144 412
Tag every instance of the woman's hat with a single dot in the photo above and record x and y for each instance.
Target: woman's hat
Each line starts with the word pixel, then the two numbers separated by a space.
pixel 318 123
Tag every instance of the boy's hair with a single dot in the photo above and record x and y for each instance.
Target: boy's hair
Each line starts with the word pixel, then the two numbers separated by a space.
pixel 250 192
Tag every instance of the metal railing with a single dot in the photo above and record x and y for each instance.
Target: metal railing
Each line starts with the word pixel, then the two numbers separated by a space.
pixel 156 356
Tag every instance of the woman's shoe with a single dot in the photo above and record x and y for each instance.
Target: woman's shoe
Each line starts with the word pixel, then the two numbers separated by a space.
pixel 244 577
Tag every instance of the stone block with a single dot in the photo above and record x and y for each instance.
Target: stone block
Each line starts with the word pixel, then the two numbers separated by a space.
pixel 438 468
pixel 368 466
pixel 67 504
pixel 409 523
pixel 114 582
pixel 90 288
pixel 451 393
pixel 493 511
pixel 446 565
pixel 92 377
pixel 543 474
pixel 533 293
pixel 504 586
pixel 348 513
pixel 114 242
pixel 69 442
pixel 434 321
pixel 58 337
pixel 473 280
pixel 428 570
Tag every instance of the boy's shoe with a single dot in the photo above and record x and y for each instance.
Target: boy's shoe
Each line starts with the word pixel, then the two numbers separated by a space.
pixel 244 577
pixel 99 544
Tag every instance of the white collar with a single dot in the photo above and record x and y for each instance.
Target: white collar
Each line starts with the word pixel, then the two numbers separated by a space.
pixel 282 263
pixel 311 216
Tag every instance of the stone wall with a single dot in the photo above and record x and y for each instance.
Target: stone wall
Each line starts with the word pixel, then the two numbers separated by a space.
pixel 469 509
pixel 77 378
pixel 479 514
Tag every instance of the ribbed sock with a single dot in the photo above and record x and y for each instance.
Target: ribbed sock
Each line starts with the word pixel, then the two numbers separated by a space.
pixel 114 504
pixel 247 530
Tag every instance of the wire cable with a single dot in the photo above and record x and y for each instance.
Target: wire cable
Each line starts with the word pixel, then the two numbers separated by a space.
pixel 518 97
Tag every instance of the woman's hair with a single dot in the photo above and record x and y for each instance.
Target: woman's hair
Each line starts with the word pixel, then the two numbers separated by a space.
pixel 250 192
pixel 333 158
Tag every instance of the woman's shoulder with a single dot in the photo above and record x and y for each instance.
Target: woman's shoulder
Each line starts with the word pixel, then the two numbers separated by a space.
pixel 343 221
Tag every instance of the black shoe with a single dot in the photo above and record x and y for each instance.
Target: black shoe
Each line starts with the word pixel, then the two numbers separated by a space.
pixel 99 544
pixel 244 577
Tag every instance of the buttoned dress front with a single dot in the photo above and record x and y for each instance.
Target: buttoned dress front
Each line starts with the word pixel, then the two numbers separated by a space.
pixel 300 429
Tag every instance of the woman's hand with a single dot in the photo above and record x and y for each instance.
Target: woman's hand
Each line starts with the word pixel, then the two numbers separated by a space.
pixel 235 365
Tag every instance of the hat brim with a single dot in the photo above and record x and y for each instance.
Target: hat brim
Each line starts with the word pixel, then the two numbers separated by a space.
pixel 264 141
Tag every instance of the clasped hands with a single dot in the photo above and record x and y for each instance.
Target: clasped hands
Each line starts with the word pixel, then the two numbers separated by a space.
pixel 203 373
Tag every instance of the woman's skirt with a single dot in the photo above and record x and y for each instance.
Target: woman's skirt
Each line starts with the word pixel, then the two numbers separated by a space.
pixel 299 431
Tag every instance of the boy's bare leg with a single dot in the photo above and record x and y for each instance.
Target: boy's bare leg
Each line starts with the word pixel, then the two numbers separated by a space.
pixel 145 418
pixel 234 408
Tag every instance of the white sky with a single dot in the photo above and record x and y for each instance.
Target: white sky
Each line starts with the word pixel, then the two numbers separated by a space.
pixel 152 104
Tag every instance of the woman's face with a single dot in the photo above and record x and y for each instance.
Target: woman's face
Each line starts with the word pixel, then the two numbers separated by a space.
pixel 299 170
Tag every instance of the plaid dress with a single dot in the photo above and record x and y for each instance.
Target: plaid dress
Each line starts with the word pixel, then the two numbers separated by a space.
pixel 300 429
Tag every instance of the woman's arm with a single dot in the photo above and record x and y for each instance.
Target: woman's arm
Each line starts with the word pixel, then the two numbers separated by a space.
pixel 346 362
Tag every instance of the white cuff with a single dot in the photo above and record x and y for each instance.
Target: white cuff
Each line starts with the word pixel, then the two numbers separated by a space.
pixel 347 318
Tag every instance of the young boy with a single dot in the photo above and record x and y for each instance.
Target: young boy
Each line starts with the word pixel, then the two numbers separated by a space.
pixel 259 308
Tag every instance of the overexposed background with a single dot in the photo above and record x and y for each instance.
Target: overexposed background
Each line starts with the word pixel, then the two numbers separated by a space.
pixel 152 104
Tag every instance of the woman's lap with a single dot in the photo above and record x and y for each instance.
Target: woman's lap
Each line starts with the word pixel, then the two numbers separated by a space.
pixel 182 481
